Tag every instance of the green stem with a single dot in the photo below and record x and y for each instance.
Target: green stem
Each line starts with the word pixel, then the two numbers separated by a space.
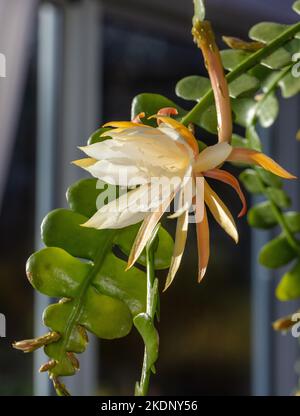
pixel 269 90
pixel 293 242
pixel 151 307
pixel 76 310
pixel 244 66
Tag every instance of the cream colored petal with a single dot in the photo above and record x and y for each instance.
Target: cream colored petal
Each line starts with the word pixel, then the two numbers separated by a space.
pixel 119 165
pixel 182 130
pixel 108 149
pixel 122 212
pixel 146 230
pixel 160 190
pixel 133 132
pixel 158 149
pixel 185 197
pixel 143 151
pixel 152 136
pixel 179 246
pixel 199 198
pixel 220 212
pixel 104 220
pixel 118 174
pixel 212 156
pixel 176 136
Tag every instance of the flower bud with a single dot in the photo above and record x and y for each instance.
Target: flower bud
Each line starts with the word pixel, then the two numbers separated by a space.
pixel 283 324
pixel 74 360
pixel 29 345
pixel 47 366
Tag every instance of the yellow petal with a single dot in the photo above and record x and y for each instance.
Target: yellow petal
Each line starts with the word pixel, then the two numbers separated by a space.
pixel 180 241
pixel 220 212
pixel 146 230
pixel 182 130
pixel 123 124
pixel 242 155
pixel 137 118
pixel 212 156
pixel 85 162
pixel 109 133
pixel 202 230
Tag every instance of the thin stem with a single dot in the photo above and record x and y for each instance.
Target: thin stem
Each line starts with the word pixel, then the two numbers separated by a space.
pixel 293 242
pixel 145 378
pixel 78 303
pixel 151 306
pixel 269 90
pixel 248 63
pixel 76 310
